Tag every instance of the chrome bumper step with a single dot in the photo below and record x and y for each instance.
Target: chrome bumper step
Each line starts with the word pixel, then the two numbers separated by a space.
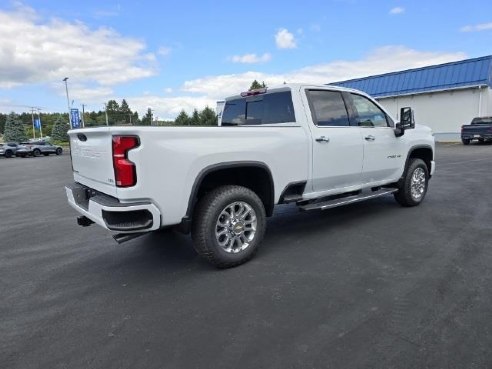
pixel 329 204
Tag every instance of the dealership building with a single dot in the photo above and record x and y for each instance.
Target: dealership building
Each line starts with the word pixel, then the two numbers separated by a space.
pixel 444 96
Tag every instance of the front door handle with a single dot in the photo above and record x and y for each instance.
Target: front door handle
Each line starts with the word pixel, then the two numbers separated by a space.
pixel 322 139
pixel 370 138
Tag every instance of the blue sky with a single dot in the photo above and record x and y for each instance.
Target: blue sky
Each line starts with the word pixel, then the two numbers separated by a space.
pixel 185 54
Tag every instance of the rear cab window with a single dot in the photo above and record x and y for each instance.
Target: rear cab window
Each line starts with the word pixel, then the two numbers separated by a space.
pixel 268 108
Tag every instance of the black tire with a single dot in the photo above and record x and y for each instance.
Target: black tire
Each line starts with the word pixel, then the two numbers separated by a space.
pixel 405 196
pixel 206 221
pixel 36 152
pixel 466 141
pixel 59 151
pixel 8 154
pixel 481 140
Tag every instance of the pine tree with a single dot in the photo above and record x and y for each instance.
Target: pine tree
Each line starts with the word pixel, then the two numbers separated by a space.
pixel 147 119
pixel 208 117
pixel 195 118
pixel 256 85
pixel 125 112
pixel 3 118
pixel 182 119
pixel 60 129
pixel 113 109
pixel 14 129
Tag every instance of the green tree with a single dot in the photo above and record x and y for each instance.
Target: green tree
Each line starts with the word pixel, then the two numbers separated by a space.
pixel 125 112
pixel 113 110
pixel 60 129
pixel 256 85
pixel 3 118
pixel 147 119
pixel 195 118
pixel 182 119
pixel 14 129
pixel 208 117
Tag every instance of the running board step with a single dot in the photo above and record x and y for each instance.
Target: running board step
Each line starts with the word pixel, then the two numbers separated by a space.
pixel 323 205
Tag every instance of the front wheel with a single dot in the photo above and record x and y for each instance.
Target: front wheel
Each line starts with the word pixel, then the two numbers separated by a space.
pixel 8 154
pixel 466 141
pixel 413 186
pixel 58 151
pixel 36 152
pixel 228 226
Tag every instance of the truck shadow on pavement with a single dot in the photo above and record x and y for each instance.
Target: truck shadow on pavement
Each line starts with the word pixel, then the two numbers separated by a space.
pixel 288 227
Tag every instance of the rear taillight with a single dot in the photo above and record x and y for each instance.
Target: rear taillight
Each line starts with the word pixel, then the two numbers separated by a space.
pixel 125 173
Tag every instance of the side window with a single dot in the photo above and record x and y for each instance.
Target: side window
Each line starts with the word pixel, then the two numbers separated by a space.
pixel 328 108
pixel 368 114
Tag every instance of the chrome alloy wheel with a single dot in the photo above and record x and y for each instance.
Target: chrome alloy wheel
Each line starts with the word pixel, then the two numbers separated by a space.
pixel 236 227
pixel 417 184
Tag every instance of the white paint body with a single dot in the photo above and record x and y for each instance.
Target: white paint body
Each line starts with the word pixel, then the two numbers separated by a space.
pixel 170 159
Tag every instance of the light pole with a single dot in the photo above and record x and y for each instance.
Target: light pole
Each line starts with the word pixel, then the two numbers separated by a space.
pixel 106 112
pixel 68 101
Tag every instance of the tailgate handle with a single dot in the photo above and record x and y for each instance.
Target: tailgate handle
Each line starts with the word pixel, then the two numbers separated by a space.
pixel 82 137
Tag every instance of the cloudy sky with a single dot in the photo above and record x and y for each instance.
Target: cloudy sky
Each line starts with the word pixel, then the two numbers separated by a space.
pixel 172 55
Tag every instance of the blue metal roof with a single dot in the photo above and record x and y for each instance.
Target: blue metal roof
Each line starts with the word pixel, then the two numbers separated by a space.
pixel 465 73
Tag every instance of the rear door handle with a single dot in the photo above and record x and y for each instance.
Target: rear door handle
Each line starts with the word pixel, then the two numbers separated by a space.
pixel 370 138
pixel 322 139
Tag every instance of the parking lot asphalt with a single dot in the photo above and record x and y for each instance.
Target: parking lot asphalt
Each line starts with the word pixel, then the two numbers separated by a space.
pixel 371 285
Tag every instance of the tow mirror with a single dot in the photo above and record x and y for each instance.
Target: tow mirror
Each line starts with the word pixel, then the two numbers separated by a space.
pixel 406 118
pixel 406 121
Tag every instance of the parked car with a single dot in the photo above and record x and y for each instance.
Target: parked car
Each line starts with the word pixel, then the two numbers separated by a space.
pixel 12 148
pixel 480 129
pixel 45 148
pixel 318 147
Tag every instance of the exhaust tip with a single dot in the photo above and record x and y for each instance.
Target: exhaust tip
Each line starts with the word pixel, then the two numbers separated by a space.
pixel 84 221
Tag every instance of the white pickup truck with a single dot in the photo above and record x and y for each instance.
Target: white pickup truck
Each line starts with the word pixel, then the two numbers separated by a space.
pixel 316 146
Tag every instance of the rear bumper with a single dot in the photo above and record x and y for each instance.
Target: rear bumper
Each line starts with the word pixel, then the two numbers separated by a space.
pixel 470 136
pixel 109 213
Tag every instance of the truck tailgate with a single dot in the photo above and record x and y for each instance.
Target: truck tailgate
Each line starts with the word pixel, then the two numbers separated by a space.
pixel 92 160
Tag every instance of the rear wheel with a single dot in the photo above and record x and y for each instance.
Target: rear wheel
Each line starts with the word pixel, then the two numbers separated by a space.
pixel 36 152
pixel 481 140
pixel 228 226
pixel 59 151
pixel 413 187
pixel 8 154
pixel 466 141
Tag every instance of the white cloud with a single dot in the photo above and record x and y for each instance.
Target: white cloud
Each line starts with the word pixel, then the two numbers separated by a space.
pixel 164 50
pixel 477 27
pixel 397 10
pixel 207 90
pixel 36 50
pixel 285 40
pixel 251 58
pixel 167 108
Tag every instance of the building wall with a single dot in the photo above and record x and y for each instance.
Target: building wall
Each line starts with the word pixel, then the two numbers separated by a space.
pixel 445 111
